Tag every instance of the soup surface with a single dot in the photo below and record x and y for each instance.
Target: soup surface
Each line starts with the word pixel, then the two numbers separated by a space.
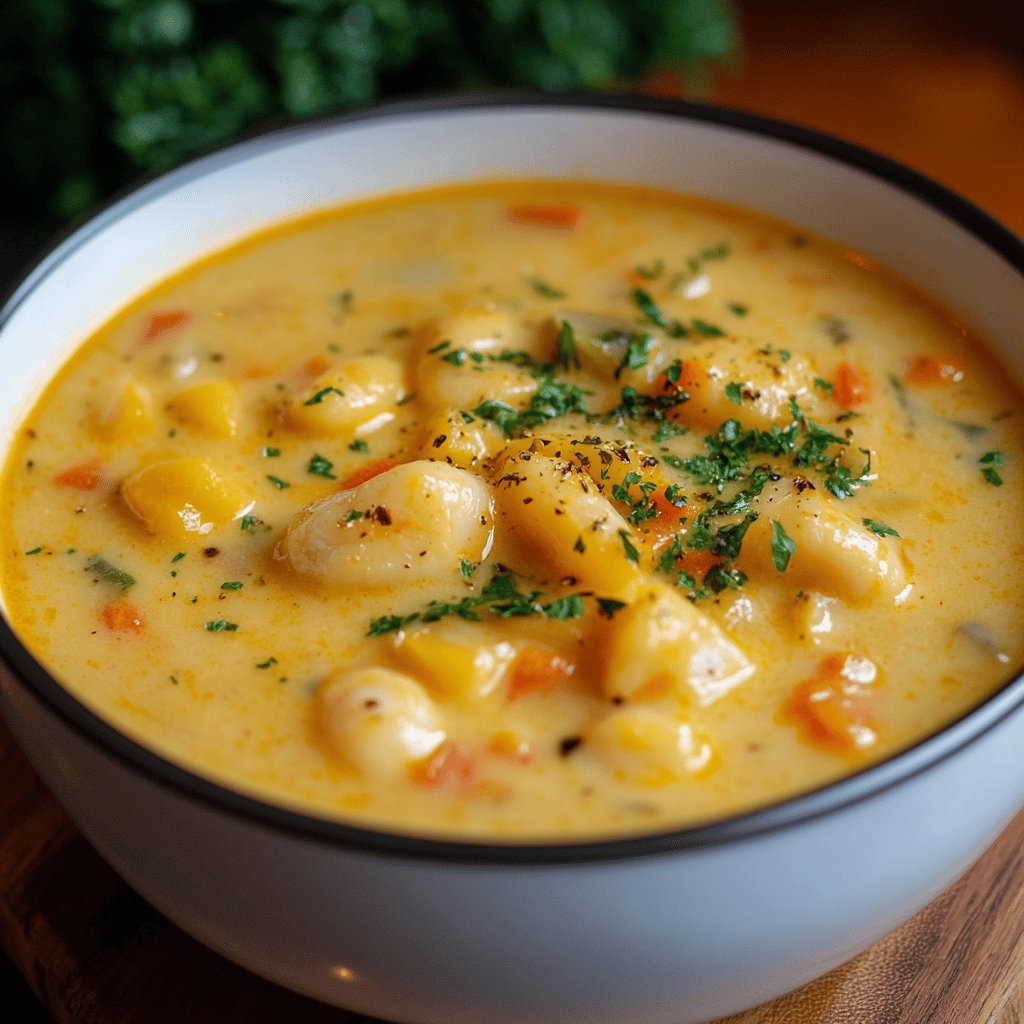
pixel 523 510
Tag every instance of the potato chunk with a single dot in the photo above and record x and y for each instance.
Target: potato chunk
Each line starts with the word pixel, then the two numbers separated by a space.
pixel 449 438
pixel 376 722
pixel 356 395
pixel 211 408
pixel 649 749
pixel 661 645
pixel 177 498
pixel 452 658
pixel 126 417
pixel 411 524
pixel 564 525
pixel 835 554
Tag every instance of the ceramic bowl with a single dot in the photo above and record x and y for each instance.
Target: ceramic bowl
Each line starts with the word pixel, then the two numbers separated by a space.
pixel 672 928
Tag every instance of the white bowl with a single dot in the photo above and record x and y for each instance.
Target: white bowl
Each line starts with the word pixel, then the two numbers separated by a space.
pixel 676 927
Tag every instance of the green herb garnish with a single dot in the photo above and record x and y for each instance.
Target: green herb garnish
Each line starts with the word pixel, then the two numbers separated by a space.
pixel 783 547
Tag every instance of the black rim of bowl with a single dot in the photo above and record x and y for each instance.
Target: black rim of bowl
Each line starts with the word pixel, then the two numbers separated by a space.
pixel 898 768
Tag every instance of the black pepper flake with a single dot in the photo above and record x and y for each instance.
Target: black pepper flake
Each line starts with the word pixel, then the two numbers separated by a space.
pixel 440 440
pixel 381 515
pixel 211 552
pixel 568 744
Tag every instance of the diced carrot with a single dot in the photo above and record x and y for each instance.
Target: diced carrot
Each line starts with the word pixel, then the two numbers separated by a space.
pixel 850 386
pixel 929 372
pixel 314 367
pixel 256 372
pixel 450 765
pixel 697 563
pixel 162 323
pixel 86 476
pixel 835 707
pixel 669 516
pixel 547 216
pixel 537 670
pixel 360 476
pixel 657 686
pixel 510 747
pixel 122 617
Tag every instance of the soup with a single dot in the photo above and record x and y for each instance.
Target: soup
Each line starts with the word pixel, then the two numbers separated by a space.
pixel 523 510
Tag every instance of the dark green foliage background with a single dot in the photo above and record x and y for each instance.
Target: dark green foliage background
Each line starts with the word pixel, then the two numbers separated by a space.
pixel 97 92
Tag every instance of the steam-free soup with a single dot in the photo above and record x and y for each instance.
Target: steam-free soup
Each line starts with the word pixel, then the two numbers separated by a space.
pixel 523 510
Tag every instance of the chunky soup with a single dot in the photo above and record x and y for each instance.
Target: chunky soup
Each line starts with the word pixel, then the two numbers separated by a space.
pixel 523 510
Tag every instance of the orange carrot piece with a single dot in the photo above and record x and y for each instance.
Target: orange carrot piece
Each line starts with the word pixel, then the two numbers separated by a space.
pixel 86 476
pixel 850 386
pixel 256 372
pixel 929 372
pixel 450 765
pixel 161 323
pixel 314 367
pixel 537 670
pixel 360 476
pixel 669 516
pixel 509 747
pixel 697 563
pixel 122 617
pixel 547 216
pixel 835 708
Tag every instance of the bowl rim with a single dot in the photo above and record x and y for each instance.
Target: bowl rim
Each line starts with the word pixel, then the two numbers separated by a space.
pixel 898 768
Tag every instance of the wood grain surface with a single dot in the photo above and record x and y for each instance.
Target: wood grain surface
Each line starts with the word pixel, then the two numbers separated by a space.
pixel 938 85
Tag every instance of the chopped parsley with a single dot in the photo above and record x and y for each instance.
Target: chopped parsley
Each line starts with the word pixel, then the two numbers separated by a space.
pixel 231 585
pixel 271 453
pixel 344 300
pixel 734 392
pixel 737 309
pixel 178 557
pixel 565 347
pixel 635 354
pixel 110 573
pixel 551 400
pixel 880 528
pixel 466 567
pixel 656 269
pixel 652 312
pixel 823 385
pixel 783 546
pixel 34 551
pixel 439 347
pixel 221 626
pixel 716 252
pixel 266 664
pixel 836 329
pixel 628 549
pixel 359 445
pixel 277 482
pixel 456 357
pixel 319 466
pixel 542 288
pixel 989 461
pixel 706 329
pixel 323 393
pixel 353 515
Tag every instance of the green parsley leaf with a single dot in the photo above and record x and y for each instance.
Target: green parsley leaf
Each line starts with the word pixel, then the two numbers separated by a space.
pixel 178 557
pixel 266 664
pixel 221 626
pixel 628 549
pixel 562 608
pixel 456 357
pixel 823 385
pixel 34 551
pixel 359 445
pixel 706 329
pixel 635 355
pixel 439 347
pixel 344 300
pixel 231 585
pixel 466 567
pixel 783 546
pixel 608 606
pixel 652 312
pixel 319 466
pixel 734 392
pixel 988 462
pixel 271 453
pixel 353 515
pixel 565 347
pixel 322 394
pixel 735 307
pixel 544 289
pixel 111 574
pixel 278 482
pixel 880 528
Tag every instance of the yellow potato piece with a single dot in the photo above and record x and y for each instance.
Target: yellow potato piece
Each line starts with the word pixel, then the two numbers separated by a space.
pixel 126 417
pixel 451 660
pixel 356 395
pixel 178 498
pixel 449 438
pixel 211 408
pixel 662 645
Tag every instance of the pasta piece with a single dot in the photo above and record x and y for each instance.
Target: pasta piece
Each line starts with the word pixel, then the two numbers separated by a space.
pixel 376 722
pixel 177 498
pixel 411 524
pixel 565 526
pixel 649 749
pixel 211 408
pixel 754 387
pixel 355 396
pixel 834 554
pixel 661 645
pixel 451 659
pixel 465 360
pixel 450 438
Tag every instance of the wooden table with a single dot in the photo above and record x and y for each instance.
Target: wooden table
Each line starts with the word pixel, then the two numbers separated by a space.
pixel 916 81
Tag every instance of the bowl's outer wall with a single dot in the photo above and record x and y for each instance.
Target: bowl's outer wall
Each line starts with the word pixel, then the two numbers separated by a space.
pixel 668 938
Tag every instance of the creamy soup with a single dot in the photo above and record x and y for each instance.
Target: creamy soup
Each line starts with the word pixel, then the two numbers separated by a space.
pixel 523 510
